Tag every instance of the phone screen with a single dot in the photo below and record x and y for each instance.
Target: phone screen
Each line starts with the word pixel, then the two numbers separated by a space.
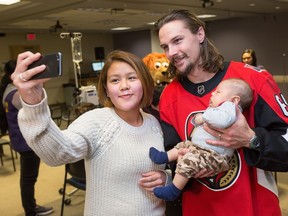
pixel 53 64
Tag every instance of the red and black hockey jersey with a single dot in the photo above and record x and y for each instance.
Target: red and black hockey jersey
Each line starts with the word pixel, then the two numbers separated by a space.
pixel 243 190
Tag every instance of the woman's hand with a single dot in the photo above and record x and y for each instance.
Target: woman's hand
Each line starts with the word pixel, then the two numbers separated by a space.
pixel 30 90
pixel 152 179
pixel 236 136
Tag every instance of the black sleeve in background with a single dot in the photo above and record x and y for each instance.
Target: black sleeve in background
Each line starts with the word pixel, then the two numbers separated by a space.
pixel 171 137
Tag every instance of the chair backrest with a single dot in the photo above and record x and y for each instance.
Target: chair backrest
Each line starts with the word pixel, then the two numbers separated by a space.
pixel 77 170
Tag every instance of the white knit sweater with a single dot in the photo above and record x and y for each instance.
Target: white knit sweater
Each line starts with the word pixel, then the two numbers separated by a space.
pixel 115 153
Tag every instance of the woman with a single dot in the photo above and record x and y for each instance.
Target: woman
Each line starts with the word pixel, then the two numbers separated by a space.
pixel 114 140
pixel 249 57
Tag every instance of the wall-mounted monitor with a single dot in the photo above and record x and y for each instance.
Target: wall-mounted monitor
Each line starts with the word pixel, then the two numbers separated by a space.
pixel 97 66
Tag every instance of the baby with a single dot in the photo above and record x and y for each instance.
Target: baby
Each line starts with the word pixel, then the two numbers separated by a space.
pixel 229 95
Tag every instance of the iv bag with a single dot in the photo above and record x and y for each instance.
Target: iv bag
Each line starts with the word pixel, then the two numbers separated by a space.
pixel 76 49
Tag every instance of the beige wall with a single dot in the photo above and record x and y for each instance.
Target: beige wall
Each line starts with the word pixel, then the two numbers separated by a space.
pixel 155 43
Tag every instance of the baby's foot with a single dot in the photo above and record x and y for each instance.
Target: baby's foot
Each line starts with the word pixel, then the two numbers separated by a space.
pixel 168 193
pixel 158 157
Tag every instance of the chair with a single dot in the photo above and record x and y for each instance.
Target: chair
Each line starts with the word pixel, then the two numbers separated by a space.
pixel 77 169
pixel 4 142
pixel 77 180
pixel 56 112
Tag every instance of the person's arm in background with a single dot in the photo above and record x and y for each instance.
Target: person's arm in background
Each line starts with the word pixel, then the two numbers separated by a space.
pixel 16 101
pixel 171 137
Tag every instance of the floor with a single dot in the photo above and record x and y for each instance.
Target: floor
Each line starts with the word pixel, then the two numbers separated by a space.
pixel 51 180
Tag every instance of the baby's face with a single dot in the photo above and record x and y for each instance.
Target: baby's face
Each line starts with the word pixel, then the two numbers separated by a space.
pixel 222 93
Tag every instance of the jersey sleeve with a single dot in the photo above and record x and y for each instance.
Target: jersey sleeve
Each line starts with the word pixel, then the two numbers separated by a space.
pixel 270 125
pixel 171 137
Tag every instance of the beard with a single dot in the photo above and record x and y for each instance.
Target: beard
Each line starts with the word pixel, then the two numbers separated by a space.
pixel 186 71
pixel 188 68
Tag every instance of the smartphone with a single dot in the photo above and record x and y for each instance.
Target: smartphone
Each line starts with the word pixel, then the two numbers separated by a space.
pixel 53 64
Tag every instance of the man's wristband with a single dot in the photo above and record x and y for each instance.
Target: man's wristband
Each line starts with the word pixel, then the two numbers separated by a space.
pixel 254 143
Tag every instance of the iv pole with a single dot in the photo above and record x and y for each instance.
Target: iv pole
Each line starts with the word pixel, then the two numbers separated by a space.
pixel 75 38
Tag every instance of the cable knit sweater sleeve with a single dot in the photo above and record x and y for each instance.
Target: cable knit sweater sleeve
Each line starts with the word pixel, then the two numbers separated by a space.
pixel 55 147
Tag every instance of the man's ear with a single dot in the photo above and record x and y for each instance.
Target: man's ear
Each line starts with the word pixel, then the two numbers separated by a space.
pixel 235 99
pixel 201 34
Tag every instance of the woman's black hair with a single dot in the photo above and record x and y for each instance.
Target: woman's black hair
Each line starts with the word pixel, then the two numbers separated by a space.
pixel 253 55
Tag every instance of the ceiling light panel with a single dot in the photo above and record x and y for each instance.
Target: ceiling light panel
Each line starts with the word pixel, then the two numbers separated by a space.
pixel 8 2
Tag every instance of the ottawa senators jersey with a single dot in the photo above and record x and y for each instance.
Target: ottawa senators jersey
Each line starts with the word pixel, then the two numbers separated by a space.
pixel 245 189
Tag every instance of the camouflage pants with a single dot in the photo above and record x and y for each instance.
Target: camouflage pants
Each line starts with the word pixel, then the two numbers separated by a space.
pixel 199 158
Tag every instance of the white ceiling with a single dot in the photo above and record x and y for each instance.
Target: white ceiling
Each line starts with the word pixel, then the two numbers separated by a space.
pixel 102 15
